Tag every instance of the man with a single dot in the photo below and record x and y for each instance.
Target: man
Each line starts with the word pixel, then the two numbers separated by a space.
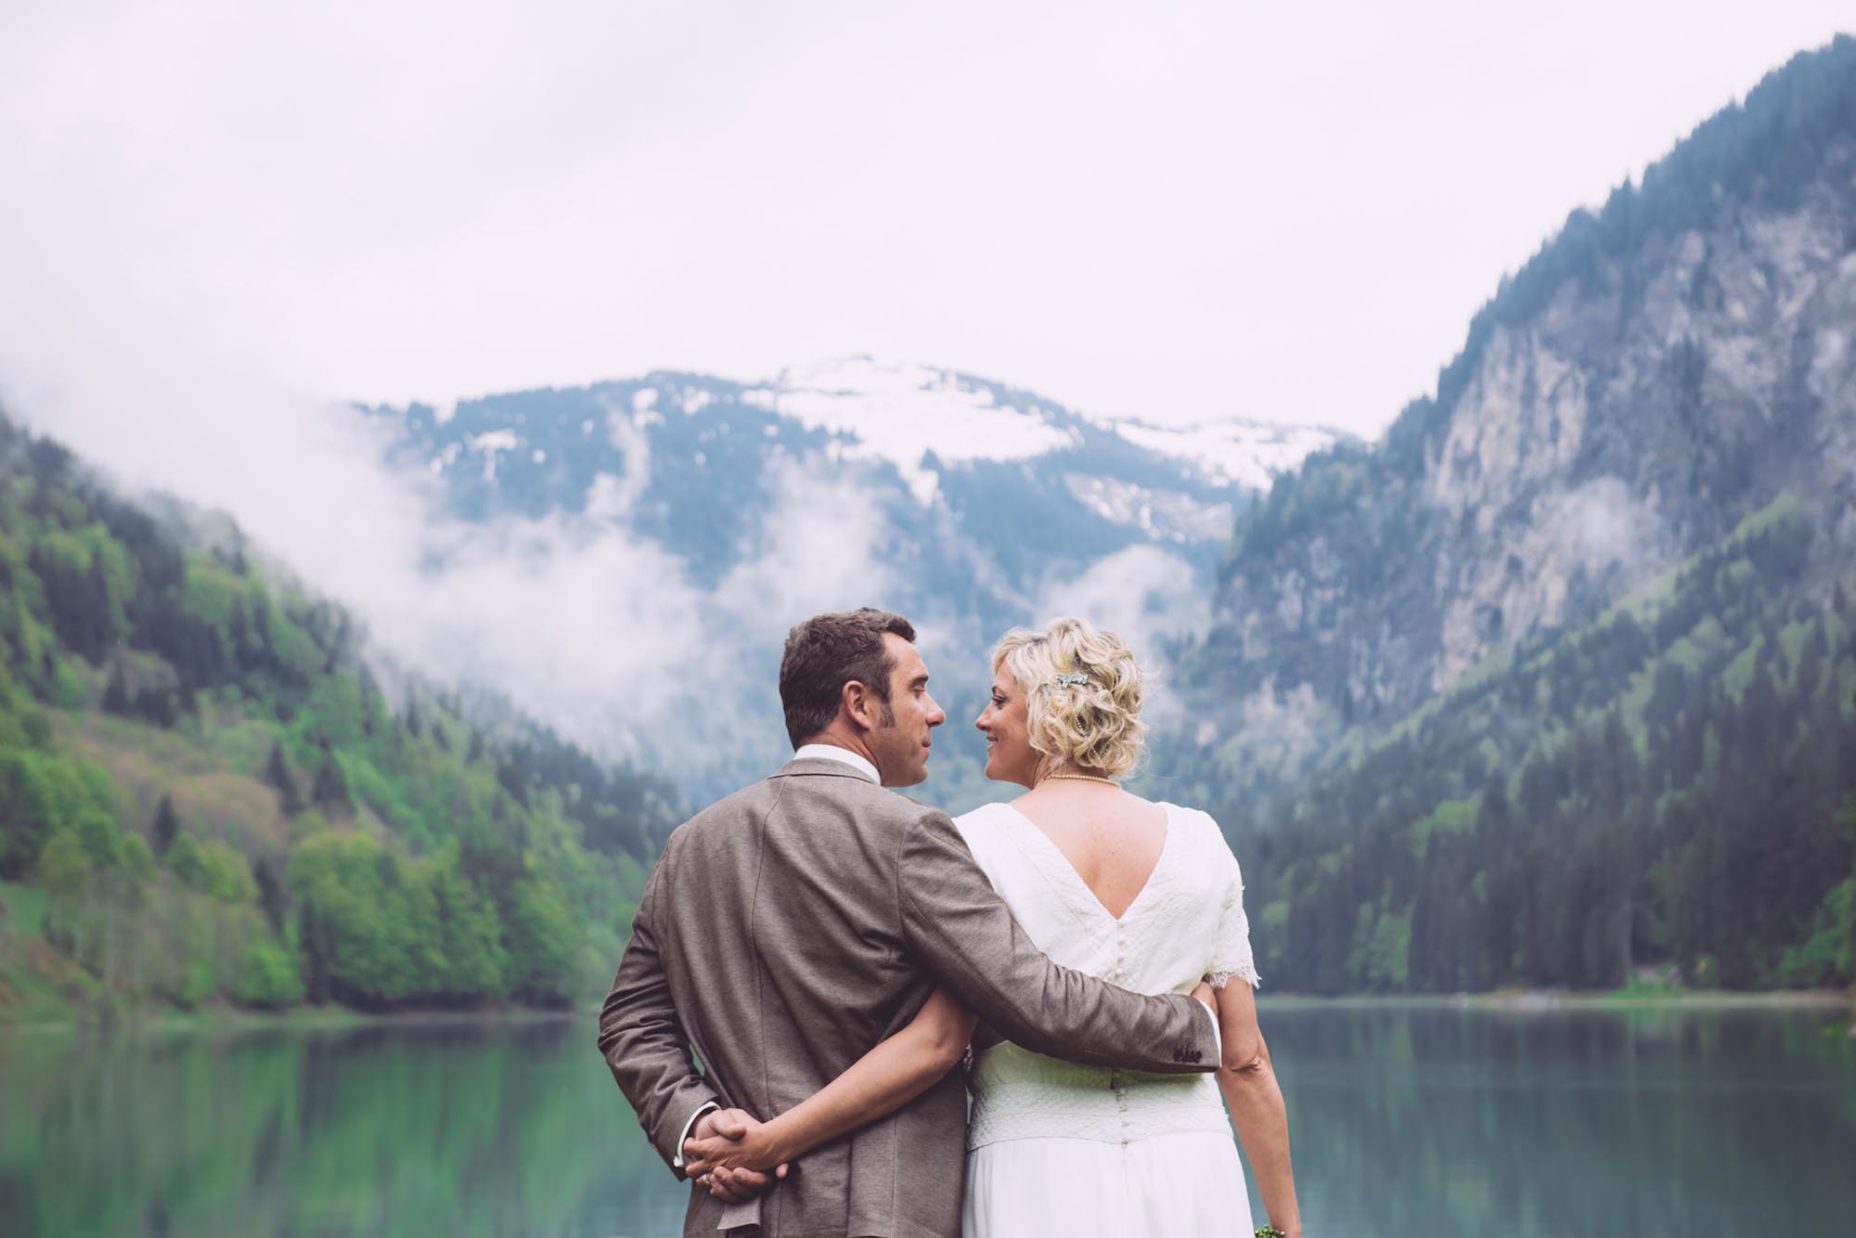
pixel 788 929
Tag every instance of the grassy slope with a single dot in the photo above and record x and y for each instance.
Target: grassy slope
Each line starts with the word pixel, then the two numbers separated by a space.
pixel 406 858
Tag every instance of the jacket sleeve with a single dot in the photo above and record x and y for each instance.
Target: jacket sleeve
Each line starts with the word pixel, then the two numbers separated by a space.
pixel 962 931
pixel 643 1040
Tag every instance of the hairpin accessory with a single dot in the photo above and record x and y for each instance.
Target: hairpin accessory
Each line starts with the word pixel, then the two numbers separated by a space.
pixel 1073 678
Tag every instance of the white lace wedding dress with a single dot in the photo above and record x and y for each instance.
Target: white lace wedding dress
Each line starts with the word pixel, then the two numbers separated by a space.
pixel 1056 1148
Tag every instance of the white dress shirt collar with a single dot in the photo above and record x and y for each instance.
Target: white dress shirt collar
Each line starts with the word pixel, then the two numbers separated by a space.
pixel 831 752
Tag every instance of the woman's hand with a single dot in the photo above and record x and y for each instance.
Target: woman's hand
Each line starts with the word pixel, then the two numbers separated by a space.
pixel 895 1072
pixel 736 1139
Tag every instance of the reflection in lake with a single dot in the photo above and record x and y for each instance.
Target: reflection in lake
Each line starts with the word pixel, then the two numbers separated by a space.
pixel 1430 1120
pixel 1407 1120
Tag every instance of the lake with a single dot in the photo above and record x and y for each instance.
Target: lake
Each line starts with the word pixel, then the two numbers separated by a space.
pixel 1407 1120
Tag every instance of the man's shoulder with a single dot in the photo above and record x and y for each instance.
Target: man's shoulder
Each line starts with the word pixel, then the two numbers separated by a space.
pixel 908 806
pixel 731 807
pixel 760 797
pixel 918 815
pixel 828 780
pixel 730 810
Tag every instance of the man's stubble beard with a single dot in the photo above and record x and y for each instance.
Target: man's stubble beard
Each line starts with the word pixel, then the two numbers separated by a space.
pixel 886 721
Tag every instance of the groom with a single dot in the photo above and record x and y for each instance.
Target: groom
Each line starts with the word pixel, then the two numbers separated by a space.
pixel 789 928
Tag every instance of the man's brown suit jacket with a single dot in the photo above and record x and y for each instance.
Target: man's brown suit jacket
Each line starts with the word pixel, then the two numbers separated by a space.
pixel 792 926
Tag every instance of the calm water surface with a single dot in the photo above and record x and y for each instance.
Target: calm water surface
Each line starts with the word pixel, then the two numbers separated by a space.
pixel 1407 1121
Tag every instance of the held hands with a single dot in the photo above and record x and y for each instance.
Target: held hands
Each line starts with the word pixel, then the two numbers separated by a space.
pixel 728 1152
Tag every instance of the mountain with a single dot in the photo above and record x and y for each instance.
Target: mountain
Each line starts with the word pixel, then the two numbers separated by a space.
pixel 207 794
pixel 968 505
pixel 1553 685
pixel 1661 370
pixel 961 468
pixel 1554 682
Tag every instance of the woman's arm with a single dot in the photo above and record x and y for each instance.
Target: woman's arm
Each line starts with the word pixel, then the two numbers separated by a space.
pixel 1255 1101
pixel 892 1074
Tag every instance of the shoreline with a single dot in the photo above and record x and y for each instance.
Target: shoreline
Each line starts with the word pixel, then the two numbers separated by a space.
pixel 297 1018
pixel 1544 1001
pixel 1511 1001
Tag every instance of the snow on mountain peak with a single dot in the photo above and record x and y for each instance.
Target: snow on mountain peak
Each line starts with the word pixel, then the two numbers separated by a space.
pixel 1243 453
pixel 899 412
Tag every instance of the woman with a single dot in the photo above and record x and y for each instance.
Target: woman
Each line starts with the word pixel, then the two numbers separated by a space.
pixel 1145 895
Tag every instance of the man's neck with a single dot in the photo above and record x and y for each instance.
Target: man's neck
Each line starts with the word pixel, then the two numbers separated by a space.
pixel 830 748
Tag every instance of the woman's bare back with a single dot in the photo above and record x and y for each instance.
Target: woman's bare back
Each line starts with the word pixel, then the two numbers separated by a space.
pixel 1113 839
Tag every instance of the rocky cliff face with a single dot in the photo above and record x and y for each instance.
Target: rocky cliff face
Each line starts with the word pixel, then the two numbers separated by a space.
pixel 1660 370
pixel 1636 422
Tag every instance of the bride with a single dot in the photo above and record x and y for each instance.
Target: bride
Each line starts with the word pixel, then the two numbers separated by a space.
pixel 1145 895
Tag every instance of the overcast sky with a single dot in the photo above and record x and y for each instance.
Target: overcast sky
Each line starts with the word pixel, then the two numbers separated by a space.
pixel 1172 211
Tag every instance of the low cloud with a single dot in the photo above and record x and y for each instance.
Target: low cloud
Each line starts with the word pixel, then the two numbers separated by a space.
pixel 817 551
pixel 1150 597
pixel 603 634
pixel 583 625
pixel 589 627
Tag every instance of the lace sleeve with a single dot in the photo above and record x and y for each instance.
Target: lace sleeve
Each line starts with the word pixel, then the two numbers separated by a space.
pixel 1231 957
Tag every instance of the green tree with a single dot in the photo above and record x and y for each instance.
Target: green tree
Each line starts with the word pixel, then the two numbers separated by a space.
pixel 266 977
pixel 166 825
pixel 544 942
pixel 116 692
pixel 476 962
pixel 30 809
pixel 101 836
pixel 359 924
pixel 330 790
pixel 1847 819
pixel 270 893
pixel 184 860
pixel 278 776
pixel 64 871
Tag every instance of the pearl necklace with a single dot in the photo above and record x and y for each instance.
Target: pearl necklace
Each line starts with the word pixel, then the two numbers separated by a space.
pixel 1079 778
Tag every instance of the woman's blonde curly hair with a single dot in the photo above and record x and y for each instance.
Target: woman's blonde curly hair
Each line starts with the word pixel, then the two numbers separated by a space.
pixel 1082 691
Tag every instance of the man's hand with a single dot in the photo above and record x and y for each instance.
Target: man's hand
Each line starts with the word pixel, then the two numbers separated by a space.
pixel 727 1153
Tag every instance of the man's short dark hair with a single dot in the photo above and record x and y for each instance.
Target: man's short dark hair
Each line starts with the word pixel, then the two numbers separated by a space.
pixel 828 651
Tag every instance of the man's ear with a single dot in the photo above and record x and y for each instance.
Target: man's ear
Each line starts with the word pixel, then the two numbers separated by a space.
pixel 857 704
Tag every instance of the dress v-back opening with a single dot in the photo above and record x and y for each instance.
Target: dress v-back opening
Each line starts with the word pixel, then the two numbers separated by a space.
pixel 1076 875
pixel 1138 1154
